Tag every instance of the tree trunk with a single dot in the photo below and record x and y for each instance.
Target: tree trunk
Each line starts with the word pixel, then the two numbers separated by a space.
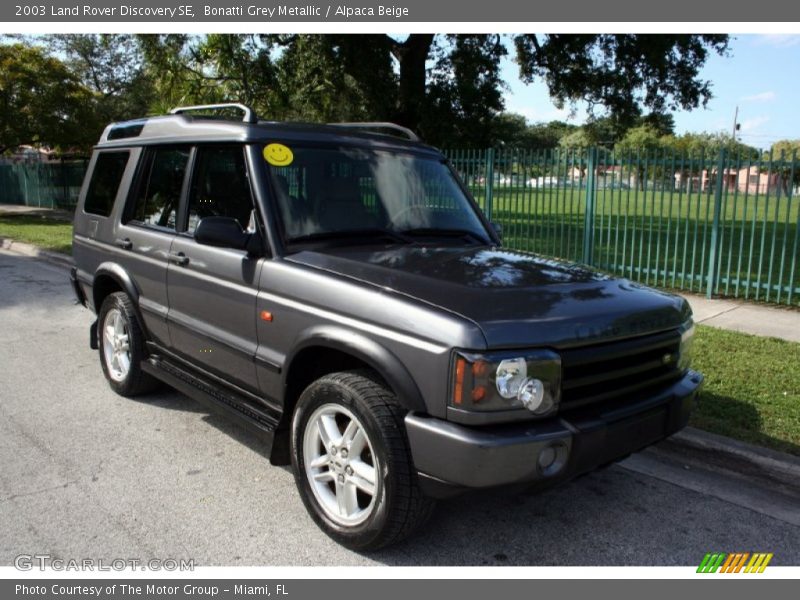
pixel 412 55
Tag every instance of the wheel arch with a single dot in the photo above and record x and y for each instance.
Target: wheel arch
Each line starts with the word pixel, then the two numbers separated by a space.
pixel 366 350
pixel 109 278
pixel 327 349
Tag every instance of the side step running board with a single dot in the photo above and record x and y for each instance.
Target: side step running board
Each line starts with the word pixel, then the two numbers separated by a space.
pixel 211 396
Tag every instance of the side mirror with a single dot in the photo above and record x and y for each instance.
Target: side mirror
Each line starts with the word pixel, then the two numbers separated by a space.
pixel 498 229
pixel 223 232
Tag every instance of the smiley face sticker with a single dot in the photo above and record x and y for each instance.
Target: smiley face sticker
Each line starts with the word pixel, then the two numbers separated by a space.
pixel 278 155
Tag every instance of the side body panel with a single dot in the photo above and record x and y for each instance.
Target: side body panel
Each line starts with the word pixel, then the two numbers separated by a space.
pixel 212 314
pixel 402 338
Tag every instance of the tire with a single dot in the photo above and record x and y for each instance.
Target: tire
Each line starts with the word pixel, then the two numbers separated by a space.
pixel 335 487
pixel 125 376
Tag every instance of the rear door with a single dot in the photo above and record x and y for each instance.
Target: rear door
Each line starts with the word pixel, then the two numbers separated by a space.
pixel 212 291
pixel 147 228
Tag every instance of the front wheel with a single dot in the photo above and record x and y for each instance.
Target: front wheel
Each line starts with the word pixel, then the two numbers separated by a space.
pixel 352 463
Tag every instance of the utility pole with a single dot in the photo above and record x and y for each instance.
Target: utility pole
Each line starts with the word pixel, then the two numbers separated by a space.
pixel 735 124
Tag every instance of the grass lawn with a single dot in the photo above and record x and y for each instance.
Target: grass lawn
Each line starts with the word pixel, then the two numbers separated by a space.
pixel 752 390
pixel 45 233
pixel 663 238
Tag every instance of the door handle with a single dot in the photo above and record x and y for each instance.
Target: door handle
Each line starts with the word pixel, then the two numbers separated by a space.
pixel 124 243
pixel 179 258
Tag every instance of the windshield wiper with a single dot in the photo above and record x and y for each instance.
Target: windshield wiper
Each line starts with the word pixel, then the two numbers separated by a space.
pixel 445 232
pixel 358 234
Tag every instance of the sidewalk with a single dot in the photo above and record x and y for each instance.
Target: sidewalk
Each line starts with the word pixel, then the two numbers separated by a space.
pixel 56 214
pixel 757 319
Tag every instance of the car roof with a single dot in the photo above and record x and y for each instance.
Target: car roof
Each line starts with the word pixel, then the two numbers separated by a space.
pixel 185 128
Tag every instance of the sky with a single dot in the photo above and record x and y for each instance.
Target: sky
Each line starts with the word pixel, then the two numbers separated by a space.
pixel 761 76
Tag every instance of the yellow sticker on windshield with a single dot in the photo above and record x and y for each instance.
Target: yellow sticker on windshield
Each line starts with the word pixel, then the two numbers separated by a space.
pixel 278 155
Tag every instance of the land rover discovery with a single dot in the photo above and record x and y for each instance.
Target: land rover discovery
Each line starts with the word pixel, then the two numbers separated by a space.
pixel 336 289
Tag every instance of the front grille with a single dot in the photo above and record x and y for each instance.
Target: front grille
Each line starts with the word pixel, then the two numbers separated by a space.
pixel 607 372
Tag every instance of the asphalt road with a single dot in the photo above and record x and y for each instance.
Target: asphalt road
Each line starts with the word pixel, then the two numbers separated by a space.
pixel 87 474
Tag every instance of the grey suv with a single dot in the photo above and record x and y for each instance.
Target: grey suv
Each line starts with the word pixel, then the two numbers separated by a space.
pixel 336 289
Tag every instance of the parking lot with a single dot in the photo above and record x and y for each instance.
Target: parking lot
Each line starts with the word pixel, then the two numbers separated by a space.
pixel 88 474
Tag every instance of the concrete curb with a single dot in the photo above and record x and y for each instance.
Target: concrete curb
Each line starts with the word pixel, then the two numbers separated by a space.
pixel 56 258
pixel 773 464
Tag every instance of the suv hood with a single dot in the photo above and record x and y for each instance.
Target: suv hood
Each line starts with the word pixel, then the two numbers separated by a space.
pixel 516 298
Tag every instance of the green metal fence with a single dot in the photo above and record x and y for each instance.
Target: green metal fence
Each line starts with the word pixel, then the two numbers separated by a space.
pixel 713 224
pixel 48 185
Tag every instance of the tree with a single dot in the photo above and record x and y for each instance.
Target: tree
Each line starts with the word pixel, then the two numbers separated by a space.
pixel 112 66
pixel 548 135
pixel 580 138
pixel 43 102
pixel 642 138
pixel 623 73
pixel 335 78
pixel 511 129
pixel 463 95
pixel 284 77
pixel 789 149
pixel 447 87
pixel 789 152
pixel 609 130
pixel 708 145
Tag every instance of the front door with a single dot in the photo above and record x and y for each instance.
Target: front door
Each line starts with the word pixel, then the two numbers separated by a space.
pixel 212 291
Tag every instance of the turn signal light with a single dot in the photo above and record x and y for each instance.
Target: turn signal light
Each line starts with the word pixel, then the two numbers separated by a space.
pixel 458 392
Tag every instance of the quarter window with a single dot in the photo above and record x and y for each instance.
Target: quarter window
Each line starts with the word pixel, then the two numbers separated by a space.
pixel 104 185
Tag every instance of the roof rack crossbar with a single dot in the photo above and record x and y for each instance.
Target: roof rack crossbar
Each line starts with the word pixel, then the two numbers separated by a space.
pixel 380 125
pixel 249 113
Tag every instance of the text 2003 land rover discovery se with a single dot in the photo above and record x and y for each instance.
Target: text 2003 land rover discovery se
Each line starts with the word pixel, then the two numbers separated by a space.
pixel 340 292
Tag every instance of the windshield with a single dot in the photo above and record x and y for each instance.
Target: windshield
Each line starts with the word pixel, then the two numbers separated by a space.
pixel 356 194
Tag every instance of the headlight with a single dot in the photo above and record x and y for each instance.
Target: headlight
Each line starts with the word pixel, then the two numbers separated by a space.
pixel 685 359
pixel 504 381
pixel 509 377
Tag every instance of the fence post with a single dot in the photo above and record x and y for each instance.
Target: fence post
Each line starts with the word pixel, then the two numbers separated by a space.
pixel 712 254
pixel 489 183
pixel 64 190
pixel 588 215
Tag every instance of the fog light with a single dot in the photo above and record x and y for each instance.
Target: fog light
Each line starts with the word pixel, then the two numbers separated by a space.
pixel 547 457
pixel 552 458
pixel 531 394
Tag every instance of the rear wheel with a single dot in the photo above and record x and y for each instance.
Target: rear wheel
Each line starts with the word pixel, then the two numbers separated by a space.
pixel 352 463
pixel 122 346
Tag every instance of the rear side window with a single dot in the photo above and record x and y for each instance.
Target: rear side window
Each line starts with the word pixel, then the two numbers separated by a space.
pixel 104 185
pixel 158 190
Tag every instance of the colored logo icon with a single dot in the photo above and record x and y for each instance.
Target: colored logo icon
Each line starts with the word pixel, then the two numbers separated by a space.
pixel 737 562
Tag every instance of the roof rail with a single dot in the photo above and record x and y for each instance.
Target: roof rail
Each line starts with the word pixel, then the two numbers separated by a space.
pixel 249 114
pixel 380 125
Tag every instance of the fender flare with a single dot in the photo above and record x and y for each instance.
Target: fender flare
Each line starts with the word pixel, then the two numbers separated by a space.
pixel 125 281
pixel 377 356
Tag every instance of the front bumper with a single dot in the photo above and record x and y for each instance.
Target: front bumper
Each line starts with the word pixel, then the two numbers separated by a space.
pixel 451 457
